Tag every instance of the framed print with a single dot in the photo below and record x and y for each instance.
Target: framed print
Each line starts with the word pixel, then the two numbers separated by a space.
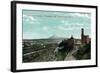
pixel 47 36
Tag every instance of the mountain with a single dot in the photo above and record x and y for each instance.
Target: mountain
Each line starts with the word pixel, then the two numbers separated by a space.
pixel 56 37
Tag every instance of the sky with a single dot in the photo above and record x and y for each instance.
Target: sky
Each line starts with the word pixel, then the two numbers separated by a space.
pixel 39 24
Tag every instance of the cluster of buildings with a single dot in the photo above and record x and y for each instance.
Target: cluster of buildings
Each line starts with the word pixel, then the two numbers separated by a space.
pixel 85 39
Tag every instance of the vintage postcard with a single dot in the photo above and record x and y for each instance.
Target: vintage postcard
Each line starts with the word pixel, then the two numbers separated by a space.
pixel 56 36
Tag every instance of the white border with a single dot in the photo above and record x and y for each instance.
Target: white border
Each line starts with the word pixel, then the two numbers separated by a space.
pixel 35 65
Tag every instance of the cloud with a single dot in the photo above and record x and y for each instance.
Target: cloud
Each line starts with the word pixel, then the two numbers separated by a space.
pixel 64 21
pixel 45 28
pixel 24 16
pixel 28 18
pixel 65 25
pixel 31 18
pixel 76 24
pixel 81 14
pixel 70 27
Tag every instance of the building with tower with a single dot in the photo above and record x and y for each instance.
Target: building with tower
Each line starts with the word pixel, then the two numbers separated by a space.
pixel 84 38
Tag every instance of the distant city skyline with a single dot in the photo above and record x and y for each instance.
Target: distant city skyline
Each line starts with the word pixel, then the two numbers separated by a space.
pixel 44 24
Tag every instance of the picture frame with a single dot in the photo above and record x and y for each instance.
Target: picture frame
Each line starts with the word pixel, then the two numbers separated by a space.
pixel 39 28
